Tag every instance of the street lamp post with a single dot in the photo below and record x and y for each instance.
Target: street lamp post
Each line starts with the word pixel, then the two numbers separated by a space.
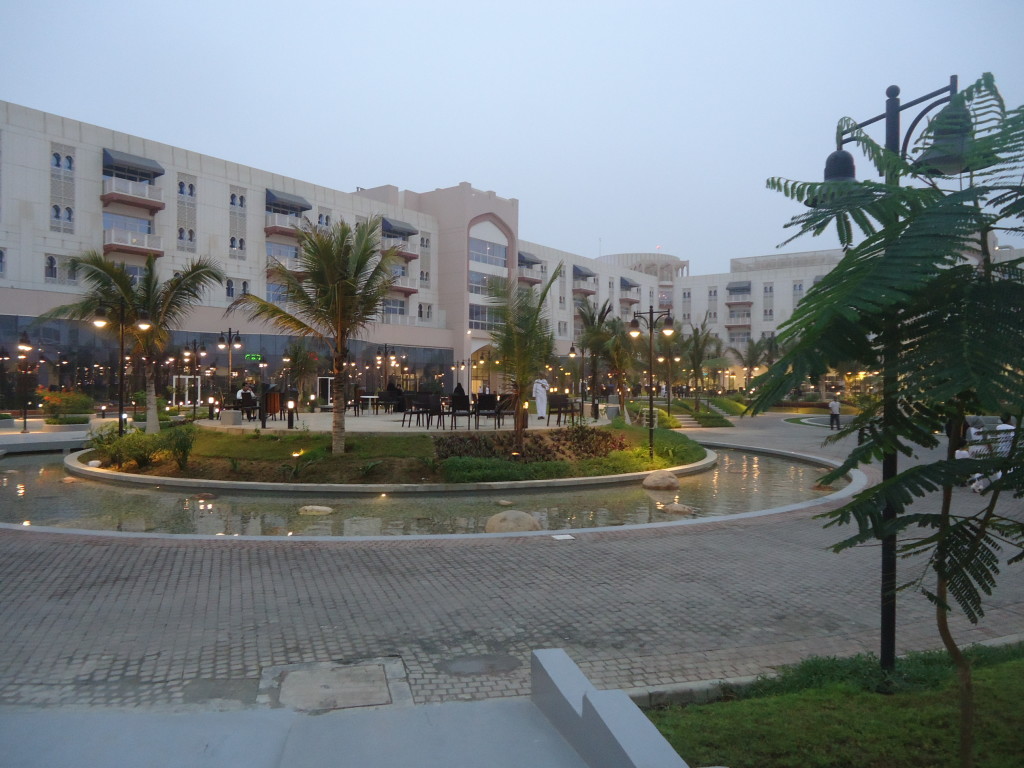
pixel 142 323
pixel 651 317
pixel 192 353
pixel 388 357
pixel 24 347
pixel 839 167
pixel 229 341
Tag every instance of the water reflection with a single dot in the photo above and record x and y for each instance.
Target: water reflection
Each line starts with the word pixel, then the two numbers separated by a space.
pixel 40 493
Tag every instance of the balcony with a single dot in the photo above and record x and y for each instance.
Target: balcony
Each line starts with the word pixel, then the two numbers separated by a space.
pixel 738 298
pixel 406 250
pixel 281 224
pixel 412 320
pixel 586 285
pixel 406 284
pixel 738 322
pixel 529 275
pixel 631 296
pixel 137 243
pixel 136 193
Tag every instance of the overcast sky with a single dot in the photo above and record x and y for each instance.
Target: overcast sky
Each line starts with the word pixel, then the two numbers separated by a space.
pixel 619 126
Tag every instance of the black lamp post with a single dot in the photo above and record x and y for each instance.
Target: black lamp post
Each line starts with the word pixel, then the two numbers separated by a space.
pixel 651 318
pixel 4 357
pixel 143 324
pixel 24 368
pixel 229 341
pixel 944 157
pixel 192 353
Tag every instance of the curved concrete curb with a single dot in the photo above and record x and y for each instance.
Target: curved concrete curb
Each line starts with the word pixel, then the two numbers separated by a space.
pixel 74 467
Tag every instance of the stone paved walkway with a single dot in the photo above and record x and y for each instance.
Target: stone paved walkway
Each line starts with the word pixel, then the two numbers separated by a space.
pixel 96 620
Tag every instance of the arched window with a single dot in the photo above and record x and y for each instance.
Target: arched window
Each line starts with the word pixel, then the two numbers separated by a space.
pixel 245 287
pixel 181 234
pixel 69 214
pixel 233 243
pixel 191 235
pixel 55 212
pixel 229 288
pixel 2 263
pixel 56 160
pixel 191 190
pixel 234 199
pixel 327 219
pixel 241 243
pixel 320 219
pixel 69 162
pixel 181 187
pixel 50 270
pixel 72 272
pixel 241 201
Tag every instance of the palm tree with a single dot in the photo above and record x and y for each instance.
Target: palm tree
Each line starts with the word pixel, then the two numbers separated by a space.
pixel 164 304
pixel 620 354
pixel 336 290
pixel 593 337
pixel 703 349
pixel 749 357
pixel 302 368
pixel 522 337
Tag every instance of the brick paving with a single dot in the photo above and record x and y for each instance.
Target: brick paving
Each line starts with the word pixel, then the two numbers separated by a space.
pixel 94 620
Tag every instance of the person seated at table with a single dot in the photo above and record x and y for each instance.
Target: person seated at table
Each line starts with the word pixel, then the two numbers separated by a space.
pixel 458 389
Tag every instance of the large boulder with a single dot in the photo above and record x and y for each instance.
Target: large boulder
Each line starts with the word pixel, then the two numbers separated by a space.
pixel 511 521
pixel 661 480
pixel 675 508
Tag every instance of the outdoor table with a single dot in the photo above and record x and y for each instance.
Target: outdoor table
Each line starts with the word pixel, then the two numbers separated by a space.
pixel 370 401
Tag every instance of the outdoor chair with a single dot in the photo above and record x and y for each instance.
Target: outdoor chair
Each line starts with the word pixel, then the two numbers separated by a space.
pixel 355 403
pixel 460 406
pixel 506 406
pixel 435 409
pixel 559 406
pixel 415 405
pixel 486 405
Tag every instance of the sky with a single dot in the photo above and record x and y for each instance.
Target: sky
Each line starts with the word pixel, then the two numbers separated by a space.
pixel 619 127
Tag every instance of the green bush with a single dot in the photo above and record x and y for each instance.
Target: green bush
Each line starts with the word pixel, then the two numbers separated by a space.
pixel 731 405
pixel 139 447
pixel 68 420
pixel 60 403
pixel 459 469
pixel 105 441
pixel 4 416
pixel 179 441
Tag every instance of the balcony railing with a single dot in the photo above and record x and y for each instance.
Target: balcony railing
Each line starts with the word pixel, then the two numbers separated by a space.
pixel 630 295
pixel 586 285
pixel 738 298
pixel 126 241
pixel 529 274
pixel 406 284
pixel 132 193
pixel 407 250
pixel 281 224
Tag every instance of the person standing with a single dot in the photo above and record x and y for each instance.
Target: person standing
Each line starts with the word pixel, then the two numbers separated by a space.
pixel 540 394
pixel 833 414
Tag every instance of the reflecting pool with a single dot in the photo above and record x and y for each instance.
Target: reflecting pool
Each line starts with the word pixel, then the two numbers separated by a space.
pixel 35 490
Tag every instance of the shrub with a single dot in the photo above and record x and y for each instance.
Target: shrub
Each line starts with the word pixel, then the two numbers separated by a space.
pixel 458 469
pixel 59 403
pixel 179 441
pixel 139 447
pixel 731 405
pixel 106 443
pixel 68 420
pixel 4 416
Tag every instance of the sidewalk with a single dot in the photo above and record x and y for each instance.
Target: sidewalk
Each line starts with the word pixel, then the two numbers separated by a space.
pixel 163 648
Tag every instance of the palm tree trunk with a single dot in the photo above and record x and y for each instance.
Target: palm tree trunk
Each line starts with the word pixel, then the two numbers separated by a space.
pixel 152 407
pixel 338 417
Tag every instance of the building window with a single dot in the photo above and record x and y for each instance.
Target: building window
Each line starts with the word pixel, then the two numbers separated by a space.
pixel 128 223
pixel 69 214
pixel 561 302
pixel 713 317
pixel 276 293
pixel 486 252
pixel 245 287
pixel 424 243
pixel 134 272
pixel 69 162
pixel 241 201
pixel 72 272
pixel 55 212
pixel 181 187
pixel 3 262
pixel 425 311
pixel 50 269
pixel 234 199
pixel 229 288
pixel 483 318
pixel 769 314
pixel 798 287
pixel 56 160
pixel 282 253
pixel 393 306
pixel 563 329
pixel 768 288
pixel 478 283
pixel 686 294
pixel 181 234
pixel 233 242
pixel 712 293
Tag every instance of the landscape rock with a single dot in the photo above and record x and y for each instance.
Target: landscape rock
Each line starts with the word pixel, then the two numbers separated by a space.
pixel 313 509
pixel 661 480
pixel 678 509
pixel 95 463
pixel 511 521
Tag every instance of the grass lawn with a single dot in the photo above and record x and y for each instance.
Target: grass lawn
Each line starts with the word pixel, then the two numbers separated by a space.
pixel 840 724
pixel 391 458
